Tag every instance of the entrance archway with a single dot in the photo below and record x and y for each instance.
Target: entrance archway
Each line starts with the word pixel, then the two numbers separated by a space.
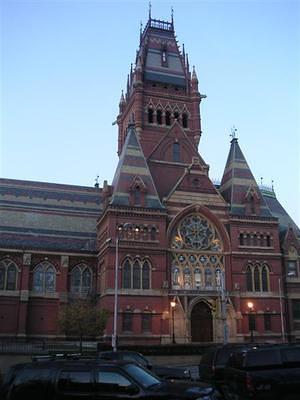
pixel 201 323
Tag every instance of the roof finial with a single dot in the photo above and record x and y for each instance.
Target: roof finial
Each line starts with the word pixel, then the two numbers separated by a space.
pixel 141 30
pixel 272 185
pixel 97 181
pixel 149 10
pixel 172 16
pixel 261 181
pixel 233 132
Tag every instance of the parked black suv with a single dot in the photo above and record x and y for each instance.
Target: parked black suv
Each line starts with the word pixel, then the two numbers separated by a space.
pixel 95 380
pixel 166 372
pixel 213 361
pixel 264 373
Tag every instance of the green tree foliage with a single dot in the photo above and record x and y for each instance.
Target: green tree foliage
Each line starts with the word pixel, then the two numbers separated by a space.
pixel 81 318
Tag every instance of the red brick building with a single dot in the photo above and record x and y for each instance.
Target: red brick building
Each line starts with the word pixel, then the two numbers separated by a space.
pixel 170 231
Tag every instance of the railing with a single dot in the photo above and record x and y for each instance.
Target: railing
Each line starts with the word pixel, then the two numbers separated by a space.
pixel 45 347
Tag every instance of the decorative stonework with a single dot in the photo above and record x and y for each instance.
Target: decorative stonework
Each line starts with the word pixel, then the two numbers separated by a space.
pixel 65 261
pixel 26 259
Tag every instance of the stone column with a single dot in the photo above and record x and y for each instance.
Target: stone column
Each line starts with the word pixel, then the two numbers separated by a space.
pixel 24 296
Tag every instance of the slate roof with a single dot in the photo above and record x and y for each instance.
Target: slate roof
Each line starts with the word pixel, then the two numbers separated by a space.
pixel 285 221
pixel 237 180
pixel 133 165
pixel 48 216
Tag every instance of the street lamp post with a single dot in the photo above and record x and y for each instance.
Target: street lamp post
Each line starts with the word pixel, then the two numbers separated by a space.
pixel 173 305
pixel 280 289
pixel 115 327
pixel 251 320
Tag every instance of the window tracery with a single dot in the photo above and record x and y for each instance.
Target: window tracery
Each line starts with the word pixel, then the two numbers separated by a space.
pixel 81 280
pixel 8 275
pixel 136 274
pixel 198 262
pixel 44 278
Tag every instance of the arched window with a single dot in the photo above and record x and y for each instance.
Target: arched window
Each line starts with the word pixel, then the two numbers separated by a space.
pixel 264 278
pixel 187 278
pixel 153 233
pixel 8 275
pixel 127 275
pixel 184 120
pixel 168 117
pixel 137 196
pixel 249 284
pixel 86 281
pixel 81 280
pixel 136 275
pixel 197 277
pixel 75 280
pixel 146 275
pixel 175 276
pixel 208 277
pixel 176 152
pixel 256 279
pixel 44 277
pixel 159 117
pixel 176 115
pixel 150 115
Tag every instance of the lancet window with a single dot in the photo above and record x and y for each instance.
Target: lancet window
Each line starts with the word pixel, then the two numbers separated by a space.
pixel 8 275
pixel 257 278
pixel 136 274
pixel 81 280
pixel 44 278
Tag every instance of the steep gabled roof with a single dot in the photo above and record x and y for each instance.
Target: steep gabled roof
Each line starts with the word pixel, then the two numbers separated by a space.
pixel 132 167
pixel 238 184
pixel 285 221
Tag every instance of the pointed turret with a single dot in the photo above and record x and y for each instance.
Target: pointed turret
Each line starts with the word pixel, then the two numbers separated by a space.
pixel 122 103
pixel 133 174
pixel 194 80
pixel 238 186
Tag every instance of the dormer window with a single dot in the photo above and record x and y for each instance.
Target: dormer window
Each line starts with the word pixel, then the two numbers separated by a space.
pixel 164 57
pixel 137 196
pixel 176 152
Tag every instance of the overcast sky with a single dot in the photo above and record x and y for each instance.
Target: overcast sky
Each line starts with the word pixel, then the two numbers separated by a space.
pixel 64 64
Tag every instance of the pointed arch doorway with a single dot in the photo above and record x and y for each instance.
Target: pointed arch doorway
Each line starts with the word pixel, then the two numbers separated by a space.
pixel 201 323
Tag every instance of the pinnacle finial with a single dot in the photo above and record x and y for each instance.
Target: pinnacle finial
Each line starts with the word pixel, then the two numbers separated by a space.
pixel 149 10
pixel 194 75
pixel 172 15
pixel 233 133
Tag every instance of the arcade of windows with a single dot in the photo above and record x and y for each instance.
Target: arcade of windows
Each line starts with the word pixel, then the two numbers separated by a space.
pixel 255 239
pixel 129 231
pixel 136 273
pixel 44 278
pixel 198 262
pixel 257 278
pixel 160 117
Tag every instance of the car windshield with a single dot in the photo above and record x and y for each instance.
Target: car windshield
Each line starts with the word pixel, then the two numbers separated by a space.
pixel 143 377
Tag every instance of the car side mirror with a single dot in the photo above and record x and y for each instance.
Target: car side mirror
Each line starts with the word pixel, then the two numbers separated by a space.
pixel 131 389
pixel 149 365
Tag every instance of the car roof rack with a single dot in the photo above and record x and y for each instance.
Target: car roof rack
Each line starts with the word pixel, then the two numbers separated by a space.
pixel 57 356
